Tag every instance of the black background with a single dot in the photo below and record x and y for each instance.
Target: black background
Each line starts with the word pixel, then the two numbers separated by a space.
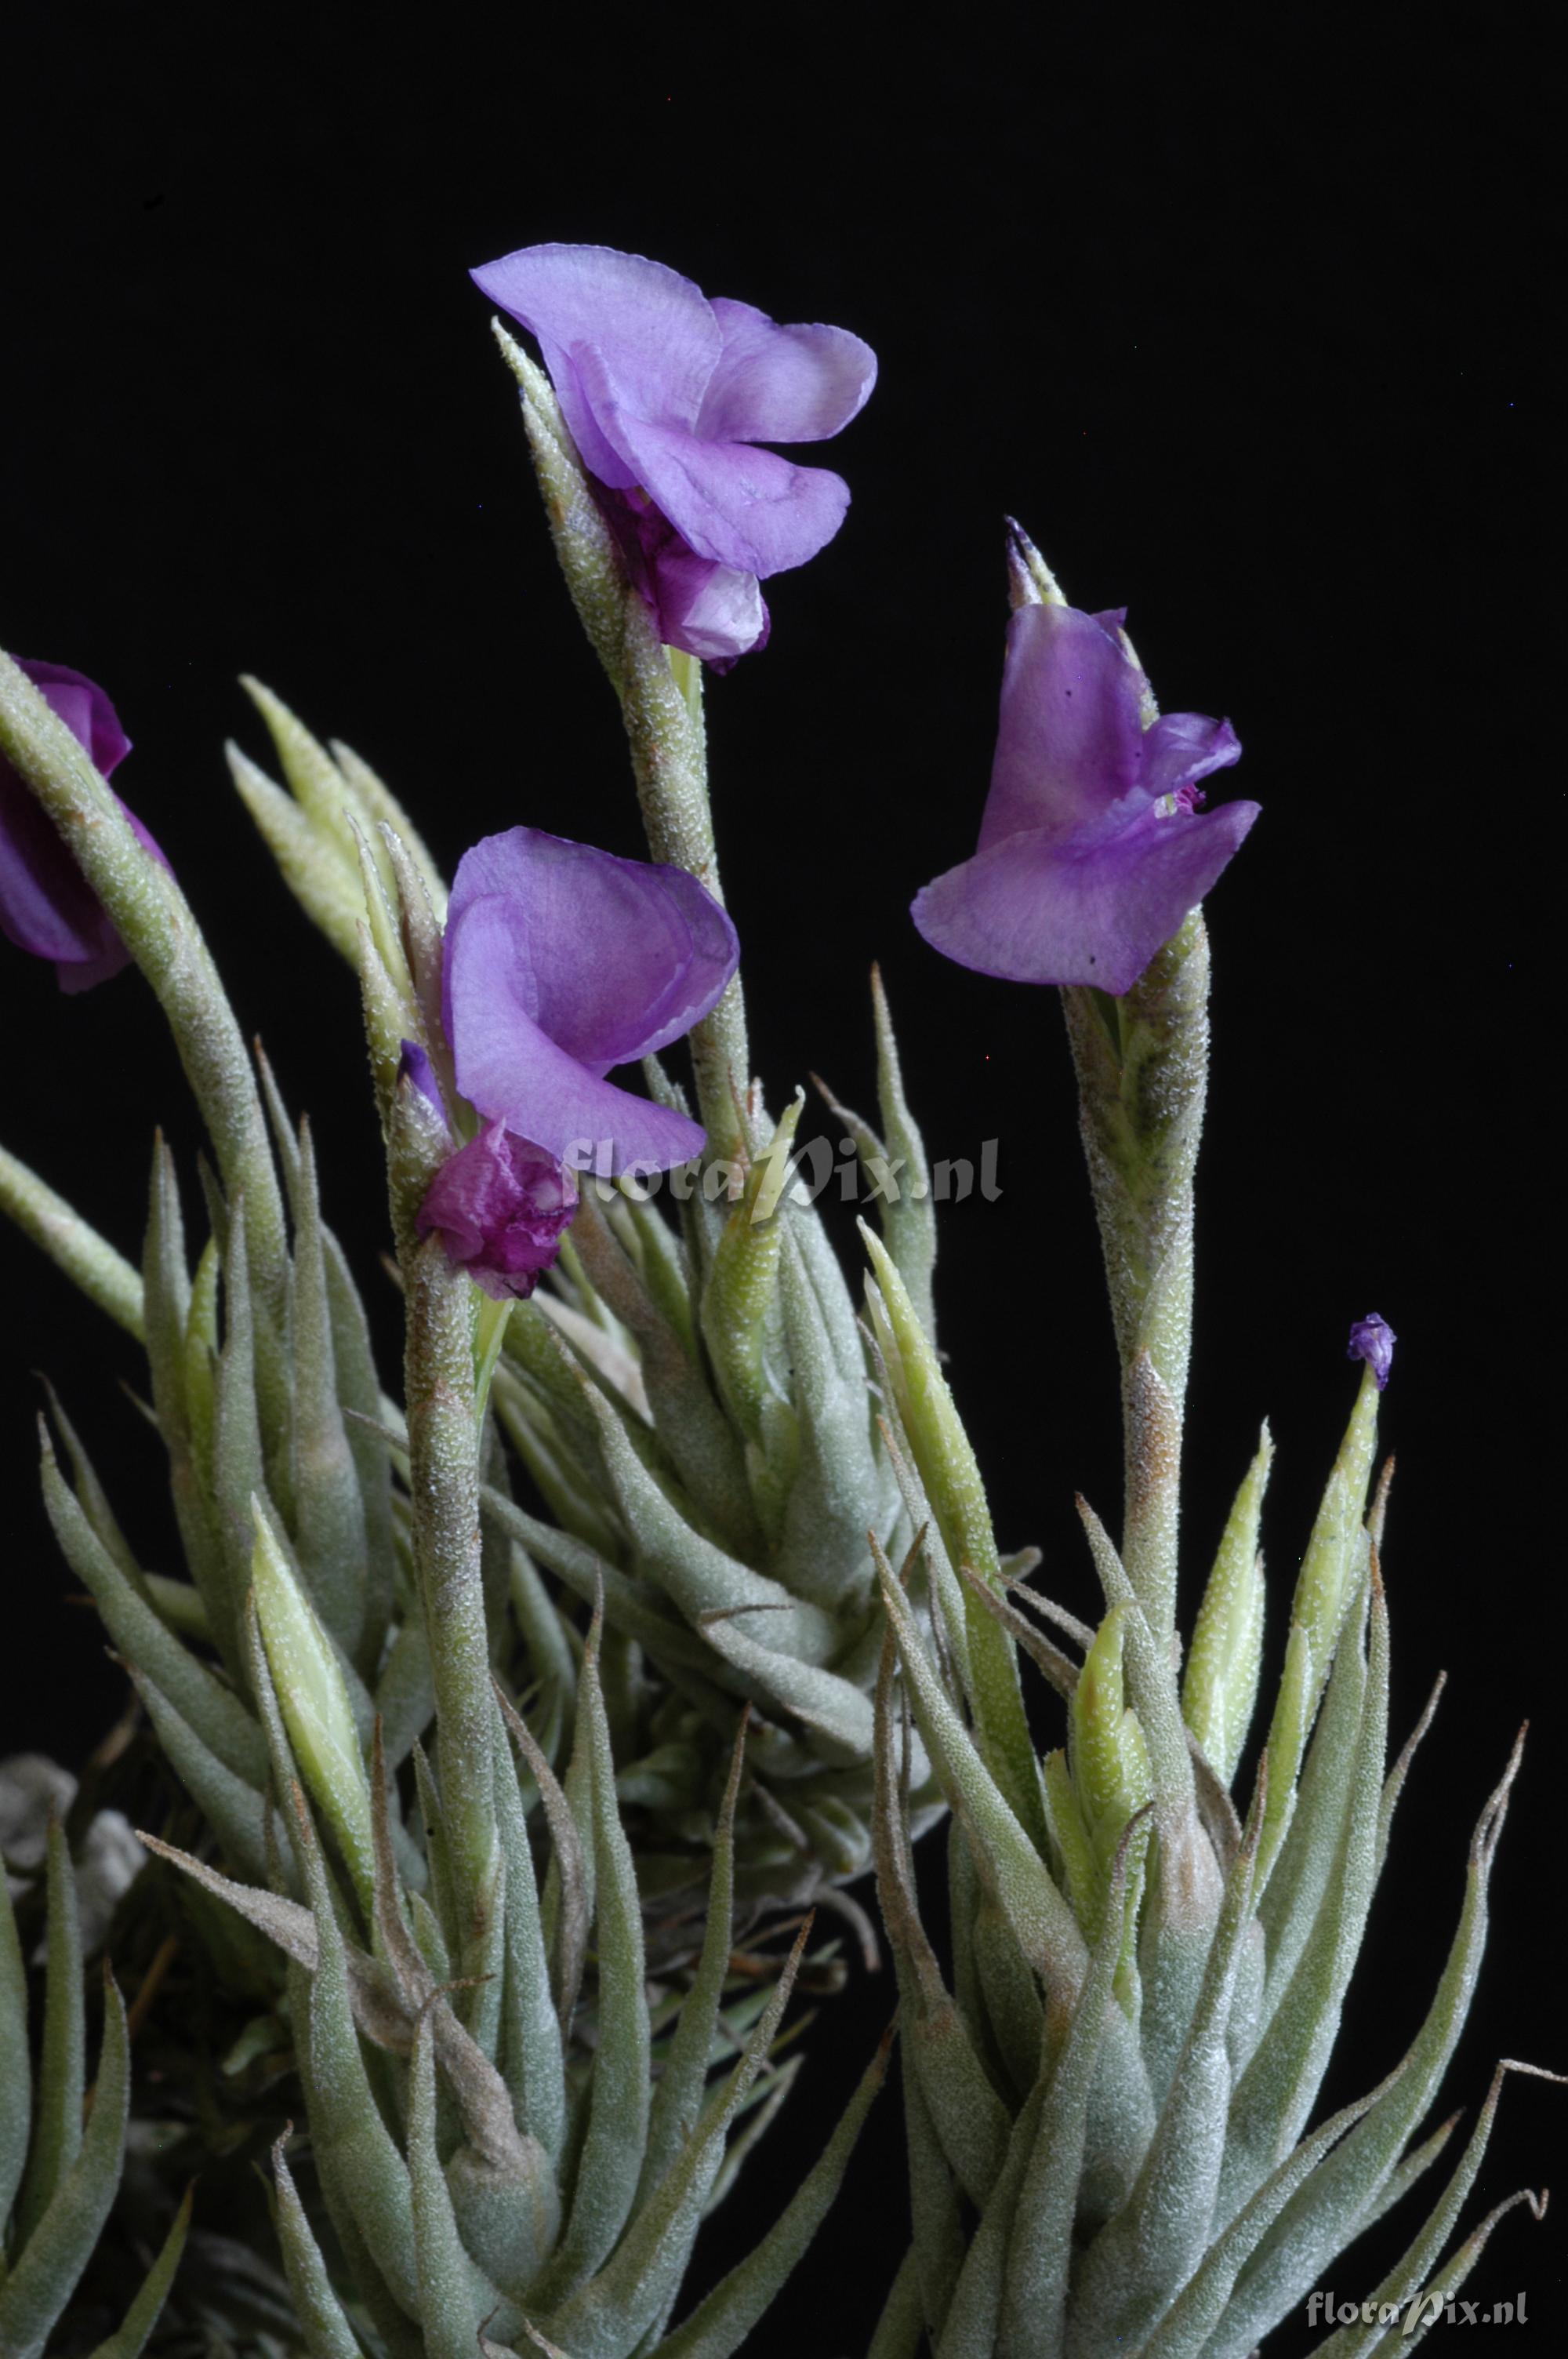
pixel 1255 336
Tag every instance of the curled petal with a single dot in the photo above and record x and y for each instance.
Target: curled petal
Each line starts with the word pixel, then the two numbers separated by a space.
pixel 1182 747
pixel 610 959
pixel 1069 741
pixel 500 1205
pixel 653 330
pixel 728 501
pixel 1095 910
pixel 714 612
pixel 776 384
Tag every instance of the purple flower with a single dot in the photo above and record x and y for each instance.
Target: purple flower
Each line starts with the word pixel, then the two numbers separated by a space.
pixel 1092 847
pixel 560 961
pixel 47 905
pixel 498 1206
pixel 1373 1340
pixel 668 395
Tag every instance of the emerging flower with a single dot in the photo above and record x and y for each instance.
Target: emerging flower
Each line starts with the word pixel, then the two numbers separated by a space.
pixel 47 905
pixel 1373 1340
pixel 1092 846
pixel 500 1206
pixel 562 960
pixel 668 395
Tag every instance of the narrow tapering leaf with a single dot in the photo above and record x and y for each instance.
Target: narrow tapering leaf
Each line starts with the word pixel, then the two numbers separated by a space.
pixel 91 1263
pixel 58 2250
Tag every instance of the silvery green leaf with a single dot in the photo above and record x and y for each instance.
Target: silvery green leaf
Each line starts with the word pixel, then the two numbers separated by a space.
pixel 909 1219
pixel 677 2094
pixel 660 1260
pixel 235 1812
pixel 404 1694
pixel 1219 1687
pixel 216 1715
pixel 1414 2273
pixel 364 2177
pixel 610 2315
pixel 969 2118
pixel 61 2245
pixel 721 1597
pixel 326 2330
pixel 701 1445
pixel 970 2328
pixel 940 2241
pixel 1344 2184
pixel 1151 1680
pixel 57 2104
pixel 1270 2102
pixel 721 2321
pixel 952 1480
pixel 1185 2329
pixel 1416 2164
pixel 325 885
pixel 313 778
pixel 329 1528
pixel 239 1460
pixel 314 1698
pixel 454 2297
pixel 91 1497
pixel 568 1906
pixel 130 2337
pixel 167 1297
pixel 91 1263
pixel 1158 2235
pixel 1307 1857
pixel 1016 1875
pixel 1336 1554
pixel 641 1612
pixel 551 1660
pixel 837 1490
pixel 738 1307
pixel 1010 1995
pixel 946 1592
pixel 1393 1785
pixel 531 2045
pixel 615 2139
pixel 1040 2239
pixel 1452 2275
pixel 384 820
pixel 901 2329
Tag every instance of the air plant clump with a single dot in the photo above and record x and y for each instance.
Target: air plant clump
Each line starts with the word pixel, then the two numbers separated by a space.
pixel 540 1724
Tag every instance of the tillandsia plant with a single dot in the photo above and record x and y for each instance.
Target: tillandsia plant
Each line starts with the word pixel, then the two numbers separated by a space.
pixel 495 1793
pixel 689 1407
pixel 1108 2111
pixel 691 1402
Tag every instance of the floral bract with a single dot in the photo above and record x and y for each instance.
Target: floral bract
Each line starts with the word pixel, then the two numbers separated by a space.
pixel 1092 846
